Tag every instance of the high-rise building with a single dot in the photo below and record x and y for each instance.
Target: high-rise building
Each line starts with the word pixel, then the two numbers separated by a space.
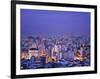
pixel 55 53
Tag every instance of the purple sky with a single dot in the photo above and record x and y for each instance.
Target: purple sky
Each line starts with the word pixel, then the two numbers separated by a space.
pixel 46 22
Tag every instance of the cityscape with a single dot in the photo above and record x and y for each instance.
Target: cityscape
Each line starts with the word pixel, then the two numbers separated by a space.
pixel 54 39
pixel 53 52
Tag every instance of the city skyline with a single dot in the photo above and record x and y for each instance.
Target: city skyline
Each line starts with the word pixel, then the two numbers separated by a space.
pixel 54 39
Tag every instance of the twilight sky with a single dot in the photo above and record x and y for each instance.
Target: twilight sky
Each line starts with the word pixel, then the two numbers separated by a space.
pixel 46 22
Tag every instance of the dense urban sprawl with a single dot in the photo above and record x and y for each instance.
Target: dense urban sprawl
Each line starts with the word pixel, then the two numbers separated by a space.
pixel 54 52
